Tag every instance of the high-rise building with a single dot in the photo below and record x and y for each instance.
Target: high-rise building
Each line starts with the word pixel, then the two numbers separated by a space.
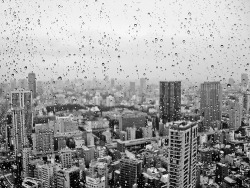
pixel 43 139
pixel 67 178
pixel 170 101
pixel 210 104
pixel 47 175
pixel 99 168
pixel 13 84
pixel 110 101
pixel 65 124
pixel 143 85
pixel 66 158
pixel 246 102
pixel 132 87
pixel 131 133
pixel 32 83
pixel 26 156
pixel 131 170
pixel 22 83
pixel 244 80
pixel 147 132
pixel 88 154
pixel 21 106
pixel 235 114
pixel 182 154
pixel 17 170
pixel 33 164
pixel 132 120
pixel 90 139
pixel 59 142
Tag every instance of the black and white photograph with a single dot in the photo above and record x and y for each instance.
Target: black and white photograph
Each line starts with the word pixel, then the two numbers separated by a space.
pixel 124 94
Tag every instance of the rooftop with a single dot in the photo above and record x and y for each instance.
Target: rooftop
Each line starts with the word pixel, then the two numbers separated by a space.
pixel 182 125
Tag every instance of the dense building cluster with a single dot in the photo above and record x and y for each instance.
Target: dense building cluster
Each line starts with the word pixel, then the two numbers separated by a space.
pixel 59 135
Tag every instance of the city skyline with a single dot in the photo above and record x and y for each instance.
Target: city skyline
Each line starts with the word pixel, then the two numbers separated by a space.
pixel 115 94
pixel 155 40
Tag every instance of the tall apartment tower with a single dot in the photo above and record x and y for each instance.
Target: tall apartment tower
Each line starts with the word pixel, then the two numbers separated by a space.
pixel 32 83
pixel 235 114
pixel 132 87
pixel 210 104
pixel 182 154
pixel 21 106
pixel 43 138
pixel 130 172
pixel 26 156
pixel 170 101
pixel 244 80
pixel 143 85
pixel 66 158
pixel 47 175
pixel 13 84
pixel 246 102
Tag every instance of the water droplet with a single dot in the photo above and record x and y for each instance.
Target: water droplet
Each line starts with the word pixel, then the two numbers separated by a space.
pixel 212 66
pixel 59 78
pixel 228 85
pixel 25 67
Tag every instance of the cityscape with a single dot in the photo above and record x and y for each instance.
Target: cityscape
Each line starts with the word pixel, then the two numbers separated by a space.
pixel 124 94
pixel 59 135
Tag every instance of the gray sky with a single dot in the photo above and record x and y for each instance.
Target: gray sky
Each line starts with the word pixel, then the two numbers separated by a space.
pixel 161 39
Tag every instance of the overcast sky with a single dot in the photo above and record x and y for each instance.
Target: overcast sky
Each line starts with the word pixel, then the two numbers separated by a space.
pixel 164 40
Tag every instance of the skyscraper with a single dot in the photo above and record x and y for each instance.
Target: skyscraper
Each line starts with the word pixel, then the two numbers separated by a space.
pixel 66 158
pixel 246 102
pixel 21 106
pixel 210 104
pixel 132 87
pixel 32 83
pixel 170 101
pixel 17 170
pixel 130 172
pixel 235 114
pixel 26 155
pixel 43 139
pixel 182 154
pixel 13 84
pixel 47 175
pixel 143 85
pixel 244 80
